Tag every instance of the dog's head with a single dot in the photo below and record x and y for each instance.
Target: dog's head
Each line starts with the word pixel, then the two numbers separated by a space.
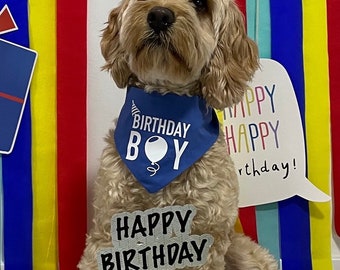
pixel 179 43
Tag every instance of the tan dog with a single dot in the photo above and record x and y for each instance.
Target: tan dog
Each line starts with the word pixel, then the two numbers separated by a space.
pixel 191 48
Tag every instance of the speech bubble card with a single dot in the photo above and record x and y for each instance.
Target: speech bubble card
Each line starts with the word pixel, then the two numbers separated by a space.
pixel 265 138
pixel 16 69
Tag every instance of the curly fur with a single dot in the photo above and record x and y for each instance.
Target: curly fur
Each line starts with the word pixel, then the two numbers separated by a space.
pixel 205 53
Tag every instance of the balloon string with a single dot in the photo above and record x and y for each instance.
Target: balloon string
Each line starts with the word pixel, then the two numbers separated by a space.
pixel 153 170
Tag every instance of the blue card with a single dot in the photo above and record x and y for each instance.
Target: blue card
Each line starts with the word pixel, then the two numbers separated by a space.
pixel 16 69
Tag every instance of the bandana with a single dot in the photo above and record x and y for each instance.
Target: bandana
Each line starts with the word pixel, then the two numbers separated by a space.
pixel 160 136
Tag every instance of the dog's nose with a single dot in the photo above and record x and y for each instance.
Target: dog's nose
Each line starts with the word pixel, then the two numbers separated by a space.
pixel 160 18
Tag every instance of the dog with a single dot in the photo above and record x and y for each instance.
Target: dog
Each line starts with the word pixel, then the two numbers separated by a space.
pixel 183 49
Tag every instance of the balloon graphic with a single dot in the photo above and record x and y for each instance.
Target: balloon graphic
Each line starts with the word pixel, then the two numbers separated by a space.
pixel 155 149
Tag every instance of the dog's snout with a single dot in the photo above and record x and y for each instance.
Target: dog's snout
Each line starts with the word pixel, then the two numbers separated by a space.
pixel 160 18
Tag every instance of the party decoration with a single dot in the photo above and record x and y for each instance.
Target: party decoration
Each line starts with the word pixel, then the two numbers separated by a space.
pixel 303 236
pixel 265 139
pixel 7 23
pixel 157 238
pixel 17 62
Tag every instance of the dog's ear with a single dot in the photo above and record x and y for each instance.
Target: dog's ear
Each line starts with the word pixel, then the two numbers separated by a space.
pixel 112 51
pixel 234 61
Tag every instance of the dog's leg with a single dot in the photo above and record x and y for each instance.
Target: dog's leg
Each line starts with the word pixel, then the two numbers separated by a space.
pixel 244 254
pixel 104 205
pixel 98 238
pixel 215 260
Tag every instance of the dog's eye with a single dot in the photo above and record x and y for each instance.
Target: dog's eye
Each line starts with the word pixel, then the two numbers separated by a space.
pixel 201 5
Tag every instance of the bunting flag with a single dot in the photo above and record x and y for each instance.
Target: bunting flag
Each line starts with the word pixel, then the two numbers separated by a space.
pixel 44 207
pixel 7 23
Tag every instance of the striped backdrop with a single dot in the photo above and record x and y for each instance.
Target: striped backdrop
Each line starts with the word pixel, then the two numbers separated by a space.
pixel 43 182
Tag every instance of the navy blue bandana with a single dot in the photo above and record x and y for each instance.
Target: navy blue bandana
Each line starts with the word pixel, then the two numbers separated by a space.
pixel 160 136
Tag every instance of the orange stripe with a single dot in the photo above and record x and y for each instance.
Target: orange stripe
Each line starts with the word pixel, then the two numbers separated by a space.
pixel 12 98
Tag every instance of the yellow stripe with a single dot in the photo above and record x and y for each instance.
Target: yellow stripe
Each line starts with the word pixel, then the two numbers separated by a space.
pixel 238 226
pixel 43 96
pixel 317 126
pixel 220 116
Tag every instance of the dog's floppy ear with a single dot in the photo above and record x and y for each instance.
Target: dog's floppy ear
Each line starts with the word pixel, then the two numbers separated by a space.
pixel 111 49
pixel 234 61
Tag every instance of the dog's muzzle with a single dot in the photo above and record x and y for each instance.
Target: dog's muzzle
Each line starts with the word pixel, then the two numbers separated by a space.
pixel 160 18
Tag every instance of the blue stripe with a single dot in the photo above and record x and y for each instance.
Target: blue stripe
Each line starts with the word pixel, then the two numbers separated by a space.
pixel 17 188
pixel 1 217
pixel 287 48
pixel 16 168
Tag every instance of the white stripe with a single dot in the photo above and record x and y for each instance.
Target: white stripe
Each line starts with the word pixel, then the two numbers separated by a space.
pixel 104 99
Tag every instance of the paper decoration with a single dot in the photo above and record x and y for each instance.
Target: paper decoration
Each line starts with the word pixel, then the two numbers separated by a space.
pixel 265 139
pixel 158 238
pixel 7 23
pixel 16 69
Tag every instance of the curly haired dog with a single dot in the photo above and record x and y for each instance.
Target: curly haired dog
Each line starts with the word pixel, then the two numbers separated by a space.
pixel 188 48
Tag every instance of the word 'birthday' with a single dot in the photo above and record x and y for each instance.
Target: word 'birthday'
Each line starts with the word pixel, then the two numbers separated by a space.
pixel 160 126
pixel 254 169
pixel 157 126
pixel 157 238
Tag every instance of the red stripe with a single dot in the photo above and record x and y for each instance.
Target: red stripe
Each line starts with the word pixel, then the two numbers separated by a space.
pixel 248 221
pixel 12 98
pixel 242 6
pixel 71 130
pixel 333 11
